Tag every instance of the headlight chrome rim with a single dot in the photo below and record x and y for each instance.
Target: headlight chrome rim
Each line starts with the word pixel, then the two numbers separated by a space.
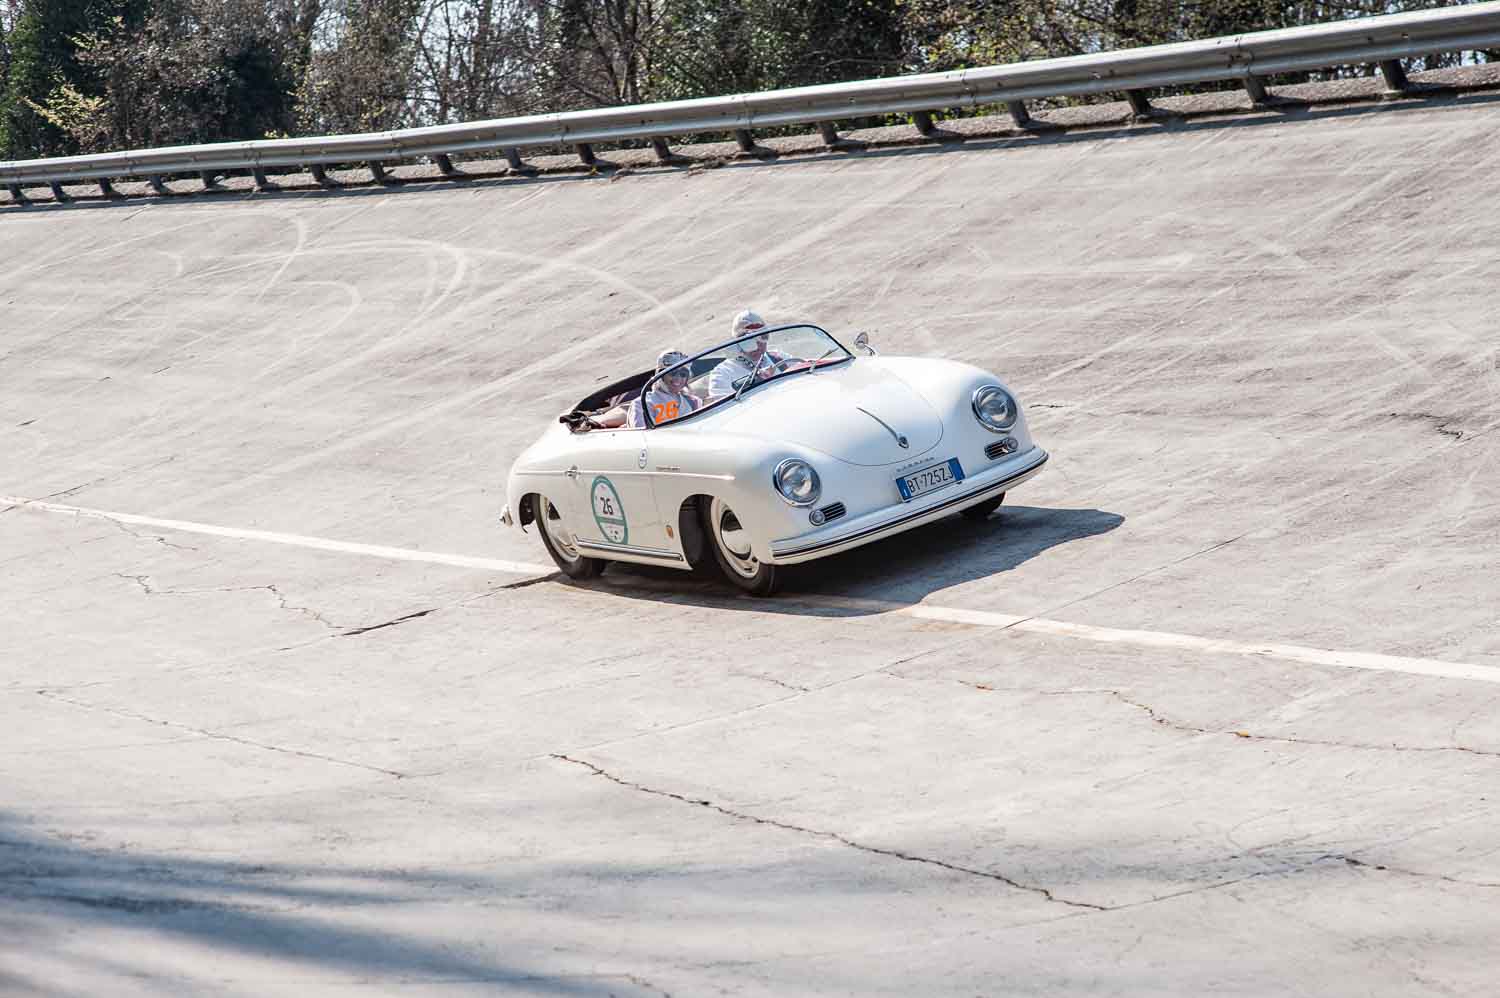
pixel 778 480
pixel 1002 427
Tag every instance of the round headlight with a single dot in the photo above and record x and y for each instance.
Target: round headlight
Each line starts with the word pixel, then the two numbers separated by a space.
pixel 994 408
pixel 797 482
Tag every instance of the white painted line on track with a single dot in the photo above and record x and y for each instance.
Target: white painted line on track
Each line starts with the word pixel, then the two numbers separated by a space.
pixel 921 611
pixel 1167 640
pixel 296 540
pixel 1189 642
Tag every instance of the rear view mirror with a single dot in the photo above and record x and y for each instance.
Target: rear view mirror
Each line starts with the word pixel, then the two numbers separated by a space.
pixel 863 342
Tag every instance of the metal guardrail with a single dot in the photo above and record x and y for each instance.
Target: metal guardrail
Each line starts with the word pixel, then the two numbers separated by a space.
pixel 1381 41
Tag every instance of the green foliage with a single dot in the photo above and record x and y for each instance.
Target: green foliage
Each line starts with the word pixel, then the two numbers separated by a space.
pixel 357 81
pixel 194 71
pixel 83 75
pixel 42 58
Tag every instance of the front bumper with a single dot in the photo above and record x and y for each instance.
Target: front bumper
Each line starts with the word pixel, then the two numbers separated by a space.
pixel 904 516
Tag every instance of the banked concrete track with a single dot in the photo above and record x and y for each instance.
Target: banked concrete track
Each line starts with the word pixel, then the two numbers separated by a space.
pixel 1211 707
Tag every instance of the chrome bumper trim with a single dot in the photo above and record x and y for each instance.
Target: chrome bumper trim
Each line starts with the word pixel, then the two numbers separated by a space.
pixel 949 503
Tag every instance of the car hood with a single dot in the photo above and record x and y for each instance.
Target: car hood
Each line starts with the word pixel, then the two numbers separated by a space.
pixel 855 412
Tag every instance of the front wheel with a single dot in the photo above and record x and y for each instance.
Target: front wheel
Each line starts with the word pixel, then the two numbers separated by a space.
pixel 561 544
pixel 731 544
pixel 982 511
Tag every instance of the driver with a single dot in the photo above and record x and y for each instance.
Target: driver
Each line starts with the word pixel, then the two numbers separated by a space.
pixel 749 354
pixel 669 397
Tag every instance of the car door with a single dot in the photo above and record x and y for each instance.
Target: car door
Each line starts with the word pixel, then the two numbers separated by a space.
pixel 613 500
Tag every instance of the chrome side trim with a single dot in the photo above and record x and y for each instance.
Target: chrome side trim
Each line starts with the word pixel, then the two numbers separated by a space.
pixel 649 474
pixel 629 549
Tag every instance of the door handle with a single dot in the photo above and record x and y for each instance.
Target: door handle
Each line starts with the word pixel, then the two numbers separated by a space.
pixel 572 472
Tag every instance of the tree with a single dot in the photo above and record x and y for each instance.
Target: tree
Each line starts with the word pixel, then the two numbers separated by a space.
pixel 194 71
pixel 473 60
pixel 359 75
pixel 42 55
pixel 79 75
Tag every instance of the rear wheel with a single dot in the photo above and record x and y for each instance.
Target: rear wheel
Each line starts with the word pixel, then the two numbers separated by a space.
pixel 561 544
pixel 982 511
pixel 731 545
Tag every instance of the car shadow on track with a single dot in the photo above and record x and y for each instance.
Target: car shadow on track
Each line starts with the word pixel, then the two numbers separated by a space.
pixel 883 576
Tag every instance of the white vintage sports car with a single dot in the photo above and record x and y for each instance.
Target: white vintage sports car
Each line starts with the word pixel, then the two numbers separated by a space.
pixel 795 450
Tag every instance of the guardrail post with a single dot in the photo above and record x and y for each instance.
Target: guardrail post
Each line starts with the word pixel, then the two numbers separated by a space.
pixel 513 157
pixel 262 182
pixel 1255 87
pixel 1139 105
pixel 108 189
pixel 320 174
pixel 586 153
pixel 745 139
pixel 1395 76
pixel 1018 113
pixel 664 152
pixel 923 121
pixel 158 186
pixel 210 180
pixel 18 195
pixel 445 165
pixel 377 170
pixel 829 133
pixel 58 194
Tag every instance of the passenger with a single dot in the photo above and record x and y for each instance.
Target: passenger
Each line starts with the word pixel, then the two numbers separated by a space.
pixel 669 397
pixel 746 356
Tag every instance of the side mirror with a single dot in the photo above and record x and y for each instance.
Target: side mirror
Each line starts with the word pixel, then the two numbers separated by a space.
pixel 863 342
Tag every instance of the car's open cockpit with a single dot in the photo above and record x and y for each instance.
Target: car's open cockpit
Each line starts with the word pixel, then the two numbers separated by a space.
pixel 717 375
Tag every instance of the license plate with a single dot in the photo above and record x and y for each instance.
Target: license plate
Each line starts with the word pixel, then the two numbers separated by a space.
pixel 930 479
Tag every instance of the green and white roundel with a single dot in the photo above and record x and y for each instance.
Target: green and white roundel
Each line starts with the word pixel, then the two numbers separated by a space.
pixel 609 511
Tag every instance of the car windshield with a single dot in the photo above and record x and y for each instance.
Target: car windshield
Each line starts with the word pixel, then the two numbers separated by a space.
pixel 731 369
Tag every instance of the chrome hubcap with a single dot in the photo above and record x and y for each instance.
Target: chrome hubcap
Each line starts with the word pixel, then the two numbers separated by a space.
pixel 733 540
pixel 558 533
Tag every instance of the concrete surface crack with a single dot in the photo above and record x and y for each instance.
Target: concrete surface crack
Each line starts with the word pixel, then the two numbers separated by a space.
pixel 1199 889
pixel 142 535
pixel 1361 864
pixel 1167 722
pixel 1441 423
pixel 281 599
pixel 388 623
pixel 216 735
pixel 831 836
pixel 772 679
pixel 641 982
pixel 120 473
pixel 524 583
pixel 1052 611
pixel 1264 874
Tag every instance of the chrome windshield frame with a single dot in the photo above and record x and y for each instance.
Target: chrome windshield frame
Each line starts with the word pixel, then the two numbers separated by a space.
pixel 726 346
